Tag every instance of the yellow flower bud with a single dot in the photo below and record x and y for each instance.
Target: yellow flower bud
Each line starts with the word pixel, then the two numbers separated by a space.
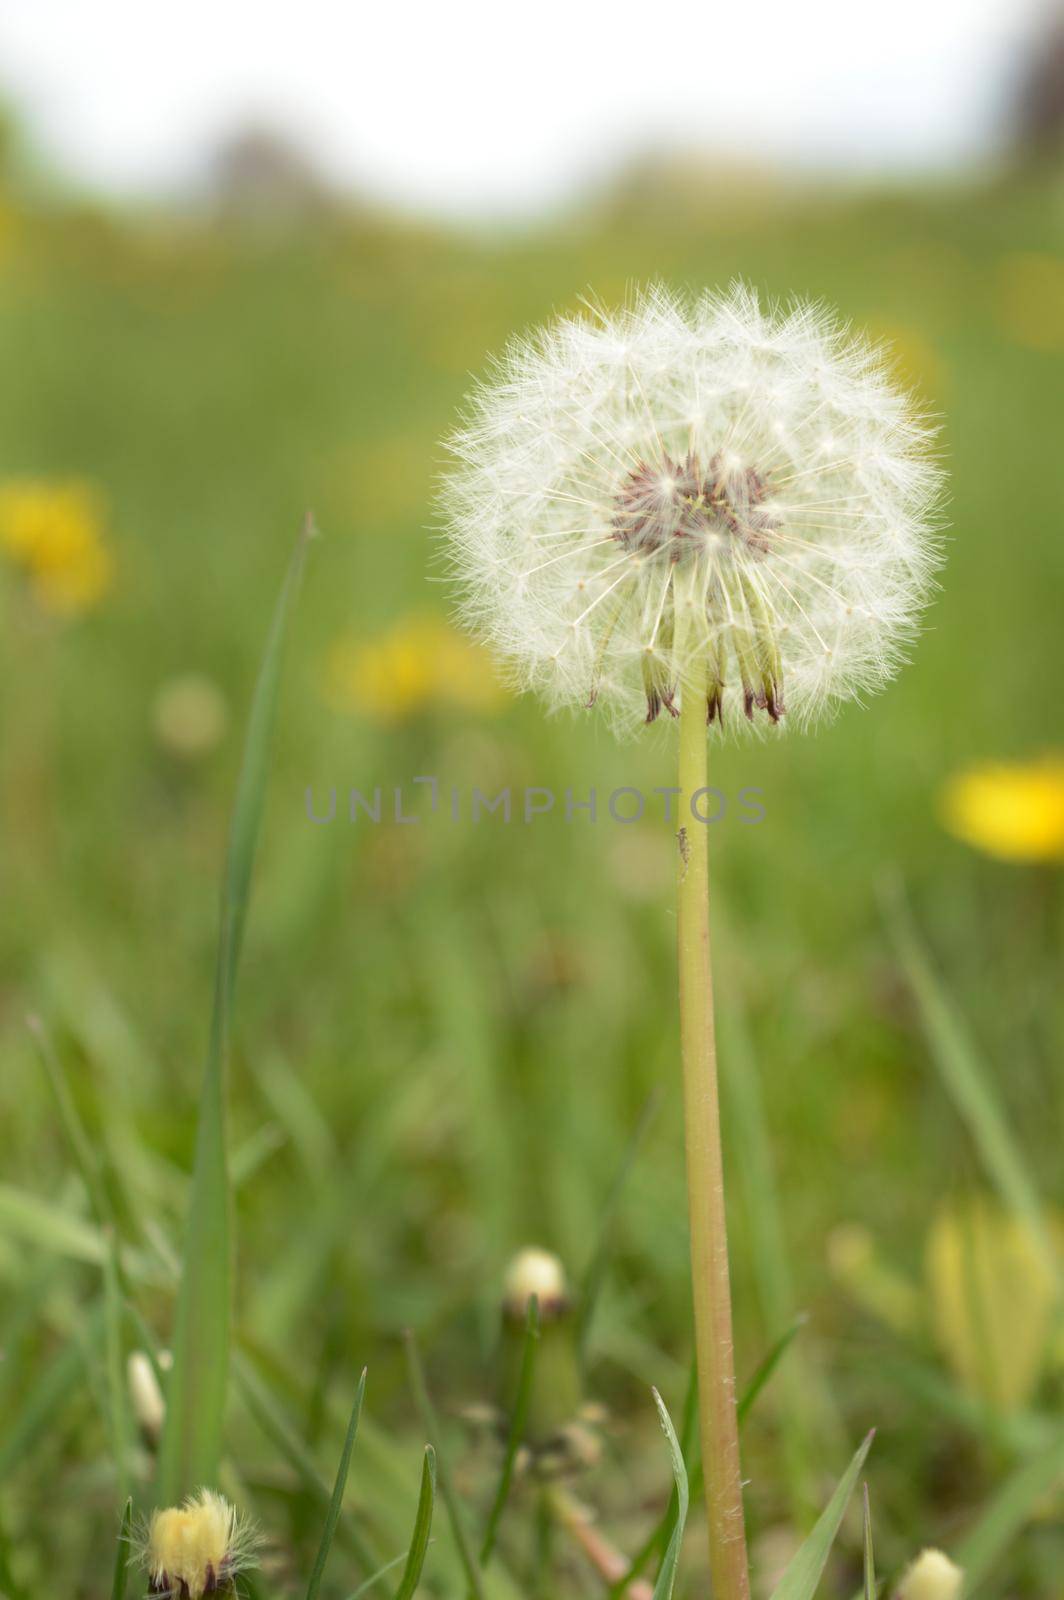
pixel 932 1576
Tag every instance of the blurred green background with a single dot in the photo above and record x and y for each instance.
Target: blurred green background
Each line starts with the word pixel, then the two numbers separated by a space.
pixel 447 1034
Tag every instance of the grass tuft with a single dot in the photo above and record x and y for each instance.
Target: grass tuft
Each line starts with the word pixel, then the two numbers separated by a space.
pixel 192 1435
pixel 336 1503
pixel 667 1573
pixel 800 1580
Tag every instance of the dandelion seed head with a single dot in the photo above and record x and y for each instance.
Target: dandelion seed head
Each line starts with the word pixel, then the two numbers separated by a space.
pixel 694 496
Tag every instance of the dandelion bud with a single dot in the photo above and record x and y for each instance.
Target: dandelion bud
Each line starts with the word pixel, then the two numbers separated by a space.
pixel 701 498
pixel 932 1576
pixel 196 1548
pixel 190 716
pixel 535 1272
pixel 554 1401
pixel 146 1397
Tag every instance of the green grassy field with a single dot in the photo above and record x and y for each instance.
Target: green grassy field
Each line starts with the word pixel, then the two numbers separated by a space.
pixel 445 1035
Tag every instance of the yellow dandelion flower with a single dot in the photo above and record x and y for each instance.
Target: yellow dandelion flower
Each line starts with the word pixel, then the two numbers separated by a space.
pixel 54 534
pixel 196 1548
pixel 413 666
pixel 1012 811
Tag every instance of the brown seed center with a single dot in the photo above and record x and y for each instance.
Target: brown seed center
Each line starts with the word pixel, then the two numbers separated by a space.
pixel 680 505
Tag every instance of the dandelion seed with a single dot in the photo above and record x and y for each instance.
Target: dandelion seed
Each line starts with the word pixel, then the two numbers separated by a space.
pixel 755 469
pixel 197 1548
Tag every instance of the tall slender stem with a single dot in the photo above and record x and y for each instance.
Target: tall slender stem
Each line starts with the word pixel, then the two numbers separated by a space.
pixel 705 1178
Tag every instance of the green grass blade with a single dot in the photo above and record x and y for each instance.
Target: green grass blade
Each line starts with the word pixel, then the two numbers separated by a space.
pixel 806 1422
pixel 376 1577
pixel 806 1569
pixel 61 1381
pixel 667 1574
pixel 118 1582
pixel 48 1227
pixel 746 1403
pixel 658 1538
pixel 269 1417
pixel 597 1267
pixel 419 1539
pixel 10 1588
pixel 117 1396
pixel 192 1437
pixel 85 1156
pixel 967 1078
pixel 336 1503
pixel 768 1366
pixel 517 1428
pixel 1008 1512
pixel 431 1425
pixel 869 1553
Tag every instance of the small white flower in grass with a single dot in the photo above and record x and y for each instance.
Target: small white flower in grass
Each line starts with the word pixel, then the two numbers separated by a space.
pixel 702 497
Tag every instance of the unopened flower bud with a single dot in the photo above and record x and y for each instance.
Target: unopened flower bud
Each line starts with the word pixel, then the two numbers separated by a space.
pixel 555 1396
pixel 190 716
pixel 932 1576
pixel 145 1395
pixel 535 1272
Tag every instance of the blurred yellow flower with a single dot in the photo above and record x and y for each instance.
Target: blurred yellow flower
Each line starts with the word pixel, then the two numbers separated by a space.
pixel 992 1300
pixel 418 663
pixel 1031 299
pixel 54 532
pixel 1012 811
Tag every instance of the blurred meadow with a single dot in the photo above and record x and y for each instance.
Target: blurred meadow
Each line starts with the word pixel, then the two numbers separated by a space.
pixel 446 1036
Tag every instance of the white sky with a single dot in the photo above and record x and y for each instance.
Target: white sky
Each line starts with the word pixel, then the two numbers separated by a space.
pixel 474 106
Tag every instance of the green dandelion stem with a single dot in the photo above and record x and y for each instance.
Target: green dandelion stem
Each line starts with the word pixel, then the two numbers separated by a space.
pixel 718 1423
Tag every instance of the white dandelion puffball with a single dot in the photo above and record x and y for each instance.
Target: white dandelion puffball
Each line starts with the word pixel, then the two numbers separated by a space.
pixel 694 497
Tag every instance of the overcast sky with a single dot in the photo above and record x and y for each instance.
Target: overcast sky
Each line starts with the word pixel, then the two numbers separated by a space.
pixel 475 106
